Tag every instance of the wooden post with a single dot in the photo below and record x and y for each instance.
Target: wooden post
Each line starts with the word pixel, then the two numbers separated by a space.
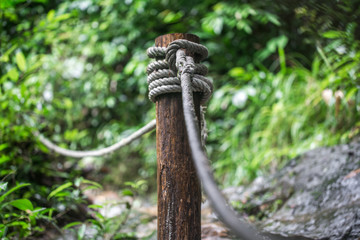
pixel 179 192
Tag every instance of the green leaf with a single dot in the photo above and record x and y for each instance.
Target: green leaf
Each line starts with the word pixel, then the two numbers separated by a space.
pixel 351 93
pixel 95 206
pixel 282 60
pixel 71 225
pixel 97 185
pixel 332 34
pixel 22 204
pixel 81 232
pixel 62 17
pixel 99 216
pixel 127 192
pixel 6 172
pixel 130 67
pixel 3 146
pixel 59 189
pixel 273 19
pixel 40 210
pixel 4 159
pixel 9 3
pixel 172 17
pixel 13 74
pixel 20 61
pixel 236 72
pixel 23 224
pixel 281 41
pixel 5 56
pixel 63 194
pixel 13 189
pixel 88 188
pixel 68 103
pixel 51 15
pixel 42 147
pixel 51 212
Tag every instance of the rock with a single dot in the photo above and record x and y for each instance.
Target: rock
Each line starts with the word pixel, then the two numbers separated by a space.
pixel 316 196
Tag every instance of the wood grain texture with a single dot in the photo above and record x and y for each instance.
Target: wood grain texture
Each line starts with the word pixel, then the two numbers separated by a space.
pixel 179 192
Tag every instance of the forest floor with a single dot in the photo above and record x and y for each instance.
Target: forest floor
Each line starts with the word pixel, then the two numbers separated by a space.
pixel 316 196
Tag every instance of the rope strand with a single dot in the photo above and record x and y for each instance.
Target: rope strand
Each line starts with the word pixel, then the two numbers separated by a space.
pixel 100 152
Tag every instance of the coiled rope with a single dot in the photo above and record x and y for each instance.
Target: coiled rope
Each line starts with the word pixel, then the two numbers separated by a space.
pixel 179 73
pixel 162 74
pixel 163 78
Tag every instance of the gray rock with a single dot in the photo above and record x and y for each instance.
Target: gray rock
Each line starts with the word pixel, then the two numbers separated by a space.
pixel 316 196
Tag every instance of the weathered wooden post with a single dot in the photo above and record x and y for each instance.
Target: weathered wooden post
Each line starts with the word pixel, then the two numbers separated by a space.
pixel 179 192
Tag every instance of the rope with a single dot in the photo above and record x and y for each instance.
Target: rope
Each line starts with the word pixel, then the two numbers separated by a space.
pixel 162 77
pixel 188 81
pixel 96 153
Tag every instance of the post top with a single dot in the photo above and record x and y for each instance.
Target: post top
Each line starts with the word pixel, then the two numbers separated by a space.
pixel 165 40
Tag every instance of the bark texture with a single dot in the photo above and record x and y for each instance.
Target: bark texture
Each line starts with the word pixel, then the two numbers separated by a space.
pixel 179 191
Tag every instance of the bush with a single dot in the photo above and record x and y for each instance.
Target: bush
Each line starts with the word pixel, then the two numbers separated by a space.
pixel 286 79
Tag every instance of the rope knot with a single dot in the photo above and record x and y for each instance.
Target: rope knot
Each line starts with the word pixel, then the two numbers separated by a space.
pixel 164 74
pixel 184 63
pixel 172 49
pixel 188 68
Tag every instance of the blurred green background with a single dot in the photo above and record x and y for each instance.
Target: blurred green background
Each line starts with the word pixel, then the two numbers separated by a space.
pixel 286 78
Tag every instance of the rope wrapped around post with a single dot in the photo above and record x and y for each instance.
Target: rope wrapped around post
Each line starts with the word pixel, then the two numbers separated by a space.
pixel 162 73
pixel 179 73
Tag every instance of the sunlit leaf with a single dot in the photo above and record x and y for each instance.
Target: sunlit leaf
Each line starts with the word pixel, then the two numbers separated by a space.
pixel 94 206
pixel 127 192
pixel 22 204
pixel 95 184
pixel 236 72
pixel 4 159
pixel 172 17
pixel 23 224
pixel 332 34
pixel 20 61
pixel 3 146
pixel 81 232
pixel 13 190
pixel 59 189
pixel 50 15
pixel 63 17
pixel 13 74
pixel 71 225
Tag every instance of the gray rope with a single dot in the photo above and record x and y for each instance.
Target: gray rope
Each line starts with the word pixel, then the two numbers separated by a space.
pixel 162 76
pixel 217 201
pixel 100 152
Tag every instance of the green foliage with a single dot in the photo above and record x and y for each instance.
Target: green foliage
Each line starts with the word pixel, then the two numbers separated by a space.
pixel 19 217
pixel 286 78
pixel 280 115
